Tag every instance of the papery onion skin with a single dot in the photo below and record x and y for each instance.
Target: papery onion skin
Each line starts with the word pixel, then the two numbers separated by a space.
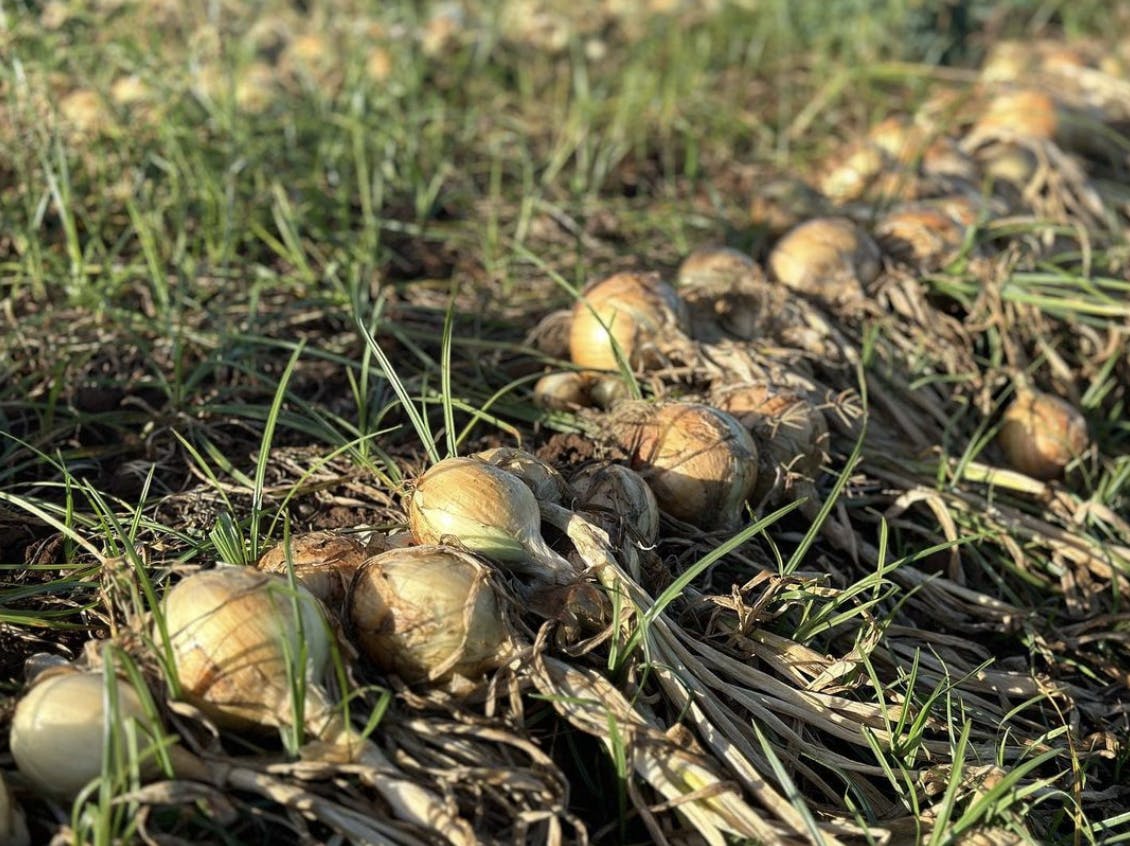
pixel 58 736
pixel 543 480
pixel 635 309
pixel 792 434
pixel 427 613
pixel 231 630
pixel 827 257
pixel 486 510
pixel 714 266
pixel 324 562
pixel 620 492
pixel 1041 434
pixel 700 462
pixel 919 235
pixel 564 391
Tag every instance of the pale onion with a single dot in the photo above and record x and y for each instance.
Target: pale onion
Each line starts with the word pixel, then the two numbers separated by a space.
pixel 427 613
pixel 61 726
pixel 1041 434
pixel 541 477
pixel 700 462
pixel 563 391
pixel 324 562
pixel 608 391
pixel 828 257
pixel 636 310
pixel 242 641
pixel 621 493
pixel 921 236
pixel 488 511
pixel 13 824
pixel 791 433
pixel 711 266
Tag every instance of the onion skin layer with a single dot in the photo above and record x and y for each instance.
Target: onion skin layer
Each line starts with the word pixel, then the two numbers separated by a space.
pixel 636 310
pixel 233 631
pixel 427 613
pixel 1041 434
pixel 58 735
pixel 700 462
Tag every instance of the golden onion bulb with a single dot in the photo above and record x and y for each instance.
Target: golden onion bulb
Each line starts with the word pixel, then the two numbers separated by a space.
pixel 324 562
pixel 621 493
pixel 700 462
pixel 634 310
pixel 61 725
pixel 542 478
pixel 711 266
pixel 827 257
pixel 236 635
pixel 919 235
pixel 791 433
pixel 427 613
pixel 1041 434
pixel 486 510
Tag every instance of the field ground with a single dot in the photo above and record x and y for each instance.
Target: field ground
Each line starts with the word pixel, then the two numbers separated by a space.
pixel 262 263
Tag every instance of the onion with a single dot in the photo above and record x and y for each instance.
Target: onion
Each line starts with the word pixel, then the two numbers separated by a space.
pixel 324 562
pixel 608 391
pixel 486 510
pixel 428 613
pixel 564 391
pixel 542 478
pixel 919 235
pixel 791 433
pixel 710 266
pixel 235 634
pixel 243 644
pixel 621 493
pixel 1025 113
pixel 699 462
pixel 828 257
pixel 1041 434
pixel 853 170
pixel 723 289
pixel 636 310
pixel 62 725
